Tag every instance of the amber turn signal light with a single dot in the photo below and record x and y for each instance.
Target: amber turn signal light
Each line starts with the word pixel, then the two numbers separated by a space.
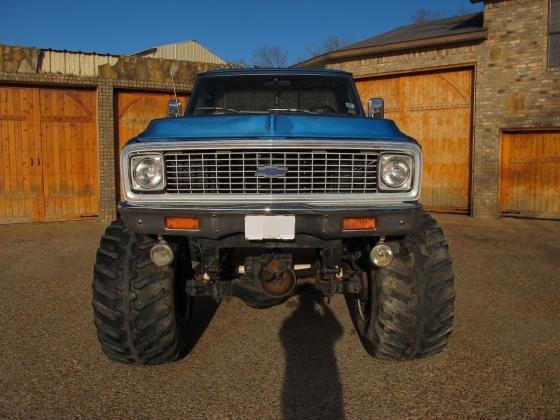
pixel 182 222
pixel 359 223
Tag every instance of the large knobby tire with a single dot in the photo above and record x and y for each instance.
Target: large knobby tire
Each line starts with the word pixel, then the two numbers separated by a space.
pixel 406 309
pixel 140 310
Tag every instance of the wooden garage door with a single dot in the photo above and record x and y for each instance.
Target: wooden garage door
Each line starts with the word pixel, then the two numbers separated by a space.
pixel 136 109
pixel 530 174
pixel 435 108
pixel 48 155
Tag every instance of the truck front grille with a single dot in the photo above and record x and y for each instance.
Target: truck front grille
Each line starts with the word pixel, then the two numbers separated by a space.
pixel 271 171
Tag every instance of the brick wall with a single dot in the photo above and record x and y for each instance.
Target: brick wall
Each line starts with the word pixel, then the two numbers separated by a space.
pixel 409 61
pixel 513 86
pixel 19 65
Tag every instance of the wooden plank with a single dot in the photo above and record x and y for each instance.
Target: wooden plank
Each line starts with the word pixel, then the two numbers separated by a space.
pixel 18 155
pixel 16 117
pixel 435 108
pixel 4 178
pixel 89 171
pixel 530 174
pixel 35 146
pixel 50 165
pixel 14 168
pixel 26 146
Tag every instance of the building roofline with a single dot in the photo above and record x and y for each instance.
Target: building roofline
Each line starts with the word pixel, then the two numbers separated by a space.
pixel 155 48
pixel 280 71
pixel 468 37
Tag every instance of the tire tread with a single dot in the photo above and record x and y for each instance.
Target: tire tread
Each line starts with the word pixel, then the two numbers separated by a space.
pixel 414 298
pixel 133 301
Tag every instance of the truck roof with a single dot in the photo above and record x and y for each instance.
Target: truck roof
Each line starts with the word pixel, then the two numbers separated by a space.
pixel 273 71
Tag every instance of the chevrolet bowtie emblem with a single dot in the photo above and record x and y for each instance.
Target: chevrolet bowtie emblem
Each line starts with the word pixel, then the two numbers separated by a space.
pixel 271 172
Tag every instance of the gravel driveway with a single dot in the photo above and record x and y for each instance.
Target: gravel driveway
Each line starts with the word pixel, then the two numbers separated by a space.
pixel 295 360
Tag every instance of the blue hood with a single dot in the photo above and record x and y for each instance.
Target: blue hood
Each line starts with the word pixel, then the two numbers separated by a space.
pixel 270 126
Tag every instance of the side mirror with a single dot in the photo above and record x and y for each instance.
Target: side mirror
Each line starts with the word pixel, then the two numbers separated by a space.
pixel 174 108
pixel 376 108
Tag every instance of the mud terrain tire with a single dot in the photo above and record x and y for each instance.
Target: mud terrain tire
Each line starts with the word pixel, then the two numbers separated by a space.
pixel 406 310
pixel 140 310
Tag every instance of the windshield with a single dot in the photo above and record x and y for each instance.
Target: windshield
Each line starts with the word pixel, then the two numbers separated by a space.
pixel 274 93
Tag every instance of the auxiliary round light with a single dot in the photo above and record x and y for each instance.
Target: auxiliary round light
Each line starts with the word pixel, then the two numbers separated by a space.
pixel 148 172
pixel 395 172
pixel 381 255
pixel 161 255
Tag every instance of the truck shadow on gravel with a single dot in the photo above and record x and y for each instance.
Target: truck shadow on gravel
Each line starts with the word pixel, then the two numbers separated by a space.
pixel 312 387
pixel 202 312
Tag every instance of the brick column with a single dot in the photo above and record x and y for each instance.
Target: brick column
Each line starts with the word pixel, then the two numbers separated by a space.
pixel 107 168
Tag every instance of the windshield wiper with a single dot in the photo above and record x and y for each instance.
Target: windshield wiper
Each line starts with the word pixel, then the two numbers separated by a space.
pixel 291 110
pixel 216 108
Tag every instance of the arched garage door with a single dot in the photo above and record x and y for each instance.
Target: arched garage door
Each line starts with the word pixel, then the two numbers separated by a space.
pixel 435 108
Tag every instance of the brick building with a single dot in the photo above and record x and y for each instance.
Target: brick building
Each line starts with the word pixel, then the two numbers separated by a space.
pixel 65 115
pixel 481 92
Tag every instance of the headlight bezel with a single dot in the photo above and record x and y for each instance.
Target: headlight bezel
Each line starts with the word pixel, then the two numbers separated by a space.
pixel 135 161
pixel 384 160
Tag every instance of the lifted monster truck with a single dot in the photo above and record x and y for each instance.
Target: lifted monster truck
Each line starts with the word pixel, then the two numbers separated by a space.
pixel 274 182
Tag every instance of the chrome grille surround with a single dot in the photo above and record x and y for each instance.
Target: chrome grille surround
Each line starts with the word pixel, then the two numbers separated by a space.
pixel 301 171
pixel 315 187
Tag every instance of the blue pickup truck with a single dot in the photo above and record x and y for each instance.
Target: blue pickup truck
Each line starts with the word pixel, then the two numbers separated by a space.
pixel 274 182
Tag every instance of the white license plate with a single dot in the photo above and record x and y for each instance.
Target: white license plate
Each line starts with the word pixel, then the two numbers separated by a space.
pixel 270 227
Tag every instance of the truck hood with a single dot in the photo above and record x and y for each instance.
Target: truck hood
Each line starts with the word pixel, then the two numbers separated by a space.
pixel 270 126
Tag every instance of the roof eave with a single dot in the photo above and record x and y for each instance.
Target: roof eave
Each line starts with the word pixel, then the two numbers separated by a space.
pixel 269 71
pixel 469 37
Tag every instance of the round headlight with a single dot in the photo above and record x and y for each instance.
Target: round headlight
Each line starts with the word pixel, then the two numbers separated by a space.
pixel 395 172
pixel 148 172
